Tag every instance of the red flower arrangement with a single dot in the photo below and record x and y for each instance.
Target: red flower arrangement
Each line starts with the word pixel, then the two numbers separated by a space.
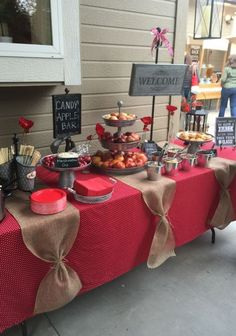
pixel 193 104
pixel 147 121
pixel 185 106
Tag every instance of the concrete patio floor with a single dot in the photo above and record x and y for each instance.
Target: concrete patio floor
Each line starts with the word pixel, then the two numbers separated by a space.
pixel 191 294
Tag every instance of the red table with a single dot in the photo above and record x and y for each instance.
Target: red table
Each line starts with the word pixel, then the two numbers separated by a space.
pixel 113 238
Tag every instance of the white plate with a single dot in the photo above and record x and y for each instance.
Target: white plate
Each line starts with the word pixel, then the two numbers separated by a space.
pixel 92 199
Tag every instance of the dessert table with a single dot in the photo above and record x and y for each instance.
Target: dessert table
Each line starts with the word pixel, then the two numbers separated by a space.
pixel 113 237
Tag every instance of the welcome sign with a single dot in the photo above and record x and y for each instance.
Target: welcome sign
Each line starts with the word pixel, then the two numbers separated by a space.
pixel 157 79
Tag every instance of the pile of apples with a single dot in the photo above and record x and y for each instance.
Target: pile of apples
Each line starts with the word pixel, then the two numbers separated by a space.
pixel 120 160
pixel 119 116
pixel 121 138
pixel 50 161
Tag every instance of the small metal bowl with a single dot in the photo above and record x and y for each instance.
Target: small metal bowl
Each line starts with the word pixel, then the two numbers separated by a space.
pixel 188 161
pixel 203 158
pixel 171 165
pixel 154 170
pixel 173 151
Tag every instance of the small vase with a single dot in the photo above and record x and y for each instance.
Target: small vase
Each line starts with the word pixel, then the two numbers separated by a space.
pixel 171 134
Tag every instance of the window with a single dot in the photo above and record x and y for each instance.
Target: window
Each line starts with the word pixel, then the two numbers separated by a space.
pixel 30 28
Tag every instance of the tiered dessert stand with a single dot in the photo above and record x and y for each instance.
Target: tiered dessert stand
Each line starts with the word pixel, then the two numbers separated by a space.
pixel 194 145
pixel 120 147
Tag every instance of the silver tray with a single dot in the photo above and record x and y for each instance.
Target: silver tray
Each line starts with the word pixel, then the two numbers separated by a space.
pixel 195 141
pixel 118 171
pixel 119 123
pixel 92 199
pixel 62 169
pixel 120 146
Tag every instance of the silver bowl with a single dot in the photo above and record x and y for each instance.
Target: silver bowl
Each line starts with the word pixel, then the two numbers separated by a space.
pixel 154 170
pixel 188 161
pixel 171 165
pixel 203 158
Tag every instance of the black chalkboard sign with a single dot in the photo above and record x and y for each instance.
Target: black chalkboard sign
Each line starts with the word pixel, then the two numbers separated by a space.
pixel 66 114
pixel 67 162
pixel 225 133
pixel 150 148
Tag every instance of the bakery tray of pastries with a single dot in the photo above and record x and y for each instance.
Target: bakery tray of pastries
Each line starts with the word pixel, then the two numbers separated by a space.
pixel 194 136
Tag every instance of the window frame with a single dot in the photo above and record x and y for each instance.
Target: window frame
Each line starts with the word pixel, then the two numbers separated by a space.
pixel 42 51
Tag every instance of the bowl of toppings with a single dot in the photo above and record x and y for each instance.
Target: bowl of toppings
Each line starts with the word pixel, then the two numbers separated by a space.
pixel 119 119
pixel 171 165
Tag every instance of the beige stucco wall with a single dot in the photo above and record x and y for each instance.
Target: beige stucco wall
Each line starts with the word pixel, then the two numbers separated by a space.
pixel 114 34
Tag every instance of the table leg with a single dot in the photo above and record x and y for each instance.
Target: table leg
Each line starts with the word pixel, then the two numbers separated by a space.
pixel 213 236
pixel 24 328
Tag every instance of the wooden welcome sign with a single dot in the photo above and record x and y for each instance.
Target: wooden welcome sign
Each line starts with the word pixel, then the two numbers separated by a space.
pixel 66 115
pixel 157 79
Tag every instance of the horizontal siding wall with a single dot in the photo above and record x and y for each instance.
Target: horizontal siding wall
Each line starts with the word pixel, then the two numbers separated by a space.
pixel 114 34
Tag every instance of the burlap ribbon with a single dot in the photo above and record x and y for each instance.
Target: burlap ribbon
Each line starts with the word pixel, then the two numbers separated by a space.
pixel 158 195
pixel 49 238
pixel 225 171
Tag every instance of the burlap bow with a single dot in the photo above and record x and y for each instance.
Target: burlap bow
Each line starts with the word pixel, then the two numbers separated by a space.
pixel 49 238
pixel 225 171
pixel 158 195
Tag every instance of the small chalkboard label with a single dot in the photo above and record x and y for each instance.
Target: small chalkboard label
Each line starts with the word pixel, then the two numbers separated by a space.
pixel 150 148
pixel 225 133
pixel 66 114
pixel 67 162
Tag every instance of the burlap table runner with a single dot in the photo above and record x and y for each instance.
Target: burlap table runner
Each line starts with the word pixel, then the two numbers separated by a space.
pixel 49 238
pixel 225 171
pixel 158 196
